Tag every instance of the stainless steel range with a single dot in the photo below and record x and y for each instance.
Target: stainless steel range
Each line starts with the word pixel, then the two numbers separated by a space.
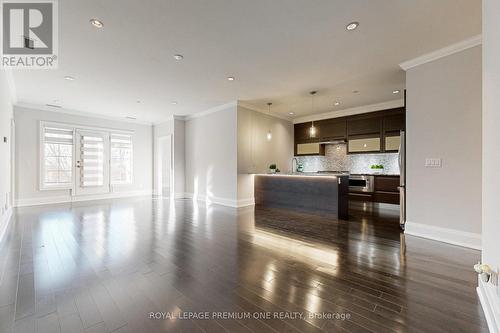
pixel 361 183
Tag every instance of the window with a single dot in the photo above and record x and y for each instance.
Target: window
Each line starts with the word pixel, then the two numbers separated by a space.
pixel 121 159
pixel 57 158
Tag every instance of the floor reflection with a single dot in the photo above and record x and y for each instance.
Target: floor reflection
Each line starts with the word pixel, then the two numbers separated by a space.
pixel 127 257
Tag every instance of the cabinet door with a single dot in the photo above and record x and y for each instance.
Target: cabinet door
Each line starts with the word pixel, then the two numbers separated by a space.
pixel 301 133
pixel 392 143
pixel 364 126
pixel 309 149
pixel 332 129
pixel 363 145
pixel 394 123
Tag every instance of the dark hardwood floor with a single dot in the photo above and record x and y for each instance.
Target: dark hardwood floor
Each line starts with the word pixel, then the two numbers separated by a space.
pixel 106 266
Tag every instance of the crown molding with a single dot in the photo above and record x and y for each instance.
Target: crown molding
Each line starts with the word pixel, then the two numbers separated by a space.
pixel 211 110
pixel 263 111
pixel 79 113
pixel 444 52
pixel 351 111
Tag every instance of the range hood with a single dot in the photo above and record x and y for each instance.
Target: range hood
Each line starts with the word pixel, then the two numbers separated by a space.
pixel 333 142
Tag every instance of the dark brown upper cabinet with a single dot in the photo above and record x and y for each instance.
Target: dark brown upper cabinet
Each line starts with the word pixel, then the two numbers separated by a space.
pixel 332 129
pixel 364 126
pixel 393 124
pixel 302 134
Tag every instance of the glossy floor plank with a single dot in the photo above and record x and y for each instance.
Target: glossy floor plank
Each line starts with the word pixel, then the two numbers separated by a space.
pixel 105 266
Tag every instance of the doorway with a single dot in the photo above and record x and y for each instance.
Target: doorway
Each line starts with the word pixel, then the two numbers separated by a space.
pixel 164 167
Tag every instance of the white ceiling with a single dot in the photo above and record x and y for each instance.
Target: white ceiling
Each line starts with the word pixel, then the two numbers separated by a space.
pixel 278 51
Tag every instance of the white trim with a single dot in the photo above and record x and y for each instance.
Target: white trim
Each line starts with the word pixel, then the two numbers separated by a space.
pixel 490 304
pixel 67 198
pixel 441 53
pixel 83 127
pixel 78 113
pixel 4 223
pixel 451 236
pixel 351 111
pixel 221 201
pixel 212 110
pixel 263 111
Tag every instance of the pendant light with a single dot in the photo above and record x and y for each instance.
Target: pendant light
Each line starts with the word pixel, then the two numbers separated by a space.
pixel 269 134
pixel 312 130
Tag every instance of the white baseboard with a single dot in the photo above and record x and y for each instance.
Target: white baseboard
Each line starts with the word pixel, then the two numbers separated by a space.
pixel 491 305
pixel 66 198
pixel 222 201
pixel 451 236
pixel 4 222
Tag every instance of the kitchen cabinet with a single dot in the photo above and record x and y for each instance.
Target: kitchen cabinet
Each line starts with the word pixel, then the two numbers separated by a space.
pixel 304 149
pixel 373 132
pixel 332 129
pixel 363 145
pixel 367 125
pixel 385 191
pixel 301 133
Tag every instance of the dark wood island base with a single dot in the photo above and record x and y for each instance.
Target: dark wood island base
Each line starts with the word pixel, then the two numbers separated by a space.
pixel 313 193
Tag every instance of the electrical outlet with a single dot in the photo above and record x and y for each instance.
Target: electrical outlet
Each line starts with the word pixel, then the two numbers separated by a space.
pixel 433 163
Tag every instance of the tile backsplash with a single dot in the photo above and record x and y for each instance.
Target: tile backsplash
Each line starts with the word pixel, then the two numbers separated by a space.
pixel 336 158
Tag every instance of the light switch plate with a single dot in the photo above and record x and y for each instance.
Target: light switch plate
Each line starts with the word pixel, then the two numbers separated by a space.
pixel 433 163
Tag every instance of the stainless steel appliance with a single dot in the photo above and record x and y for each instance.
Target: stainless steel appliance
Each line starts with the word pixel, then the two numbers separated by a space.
pixel 402 181
pixel 361 183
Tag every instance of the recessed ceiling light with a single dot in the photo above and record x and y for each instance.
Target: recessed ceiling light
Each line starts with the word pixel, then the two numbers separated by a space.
pixel 336 103
pixel 396 91
pixel 355 91
pixel 53 105
pixel 138 102
pixel 230 78
pixel 173 102
pixel 69 78
pixel 352 26
pixel 131 118
pixel 178 56
pixel 96 23
pixel 56 101
pixel 291 113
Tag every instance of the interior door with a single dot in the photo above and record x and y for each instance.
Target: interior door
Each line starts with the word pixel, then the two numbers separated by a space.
pixel 92 162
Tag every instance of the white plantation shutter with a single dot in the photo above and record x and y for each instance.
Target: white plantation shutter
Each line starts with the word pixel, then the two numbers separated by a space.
pixel 92 161
pixel 121 158
pixel 57 157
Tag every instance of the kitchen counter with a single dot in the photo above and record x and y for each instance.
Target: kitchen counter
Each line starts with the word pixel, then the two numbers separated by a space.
pixel 303 174
pixel 316 193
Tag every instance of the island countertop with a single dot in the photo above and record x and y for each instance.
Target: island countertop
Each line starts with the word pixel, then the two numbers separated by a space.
pixel 313 192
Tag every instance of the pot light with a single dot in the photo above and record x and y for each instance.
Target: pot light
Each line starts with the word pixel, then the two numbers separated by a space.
pixel 131 118
pixel 291 113
pixel 352 26
pixel 69 78
pixel 173 102
pixel 96 23
pixel 336 103
pixel 230 78
pixel 355 91
pixel 178 56
pixel 269 134
pixel 396 91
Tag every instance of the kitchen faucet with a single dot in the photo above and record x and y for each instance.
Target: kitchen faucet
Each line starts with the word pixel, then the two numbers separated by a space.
pixel 296 162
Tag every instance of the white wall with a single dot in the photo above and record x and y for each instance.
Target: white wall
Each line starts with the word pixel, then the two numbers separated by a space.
pixel 211 156
pixel 175 128
pixel 444 121
pixel 256 153
pixel 490 298
pixel 27 154
pixel 5 152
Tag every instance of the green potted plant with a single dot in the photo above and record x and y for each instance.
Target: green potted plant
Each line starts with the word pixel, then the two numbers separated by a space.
pixel 272 168
pixel 378 168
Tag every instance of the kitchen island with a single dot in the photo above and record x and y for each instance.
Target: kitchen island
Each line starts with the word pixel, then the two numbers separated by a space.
pixel 320 193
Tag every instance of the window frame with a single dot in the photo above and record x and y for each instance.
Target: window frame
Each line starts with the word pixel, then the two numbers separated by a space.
pixel 131 182
pixel 73 127
pixel 41 161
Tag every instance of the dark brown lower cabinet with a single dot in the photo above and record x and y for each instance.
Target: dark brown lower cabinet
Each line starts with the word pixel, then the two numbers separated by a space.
pixel 386 191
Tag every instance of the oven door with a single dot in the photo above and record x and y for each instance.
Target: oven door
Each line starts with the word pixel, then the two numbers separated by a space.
pixel 361 183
